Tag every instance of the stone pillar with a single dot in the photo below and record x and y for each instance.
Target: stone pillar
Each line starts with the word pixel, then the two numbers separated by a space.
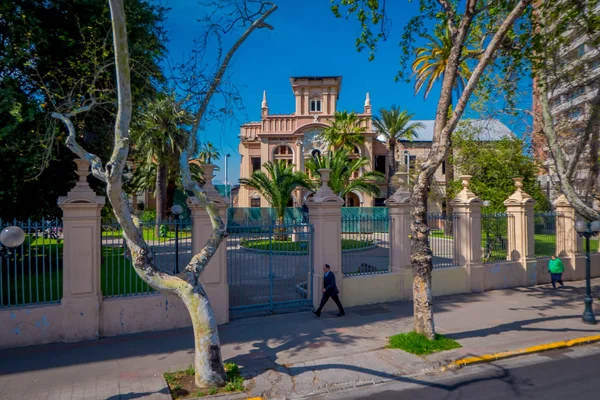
pixel 399 231
pixel 466 208
pixel 569 246
pixel 325 213
pixel 81 259
pixel 214 276
pixel 521 241
pixel 299 156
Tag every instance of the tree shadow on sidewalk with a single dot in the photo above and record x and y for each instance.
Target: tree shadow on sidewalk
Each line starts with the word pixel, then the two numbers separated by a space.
pixel 519 326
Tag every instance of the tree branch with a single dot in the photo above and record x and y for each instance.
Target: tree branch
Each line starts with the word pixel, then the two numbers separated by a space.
pixel 559 158
pixel 485 59
pixel 219 75
pixel 583 142
pixel 71 143
pixel 200 260
pixel 450 15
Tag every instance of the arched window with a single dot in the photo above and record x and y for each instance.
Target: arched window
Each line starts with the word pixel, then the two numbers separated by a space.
pixel 315 153
pixel 283 152
pixel 356 150
pixel 315 105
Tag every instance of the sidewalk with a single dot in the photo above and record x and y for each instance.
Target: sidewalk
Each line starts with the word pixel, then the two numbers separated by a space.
pixel 295 355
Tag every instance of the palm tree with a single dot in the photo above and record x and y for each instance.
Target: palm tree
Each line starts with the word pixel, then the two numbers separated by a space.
pixel 394 124
pixel 277 184
pixel 159 137
pixel 344 132
pixel 343 179
pixel 208 152
pixel 431 60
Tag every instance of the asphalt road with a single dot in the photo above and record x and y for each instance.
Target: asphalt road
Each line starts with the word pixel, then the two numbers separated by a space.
pixel 562 374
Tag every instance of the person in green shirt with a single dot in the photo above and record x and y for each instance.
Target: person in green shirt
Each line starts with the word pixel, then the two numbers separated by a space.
pixel 556 269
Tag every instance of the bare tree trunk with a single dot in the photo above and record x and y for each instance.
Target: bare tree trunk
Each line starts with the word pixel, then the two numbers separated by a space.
pixel 421 254
pixel 162 172
pixel 392 168
pixel 208 363
pixel 186 285
pixel 134 202
pixel 421 260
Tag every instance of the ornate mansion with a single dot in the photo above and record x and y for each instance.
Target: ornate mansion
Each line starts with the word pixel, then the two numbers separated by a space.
pixel 296 137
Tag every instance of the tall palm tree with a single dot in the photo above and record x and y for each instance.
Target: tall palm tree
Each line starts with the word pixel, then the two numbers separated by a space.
pixel 431 61
pixel 277 184
pixel 344 132
pixel 394 124
pixel 429 66
pixel 342 180
pixel 159 135
pixel 208 152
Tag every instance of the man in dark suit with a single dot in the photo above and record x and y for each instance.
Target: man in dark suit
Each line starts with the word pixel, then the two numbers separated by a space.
pixel 329 290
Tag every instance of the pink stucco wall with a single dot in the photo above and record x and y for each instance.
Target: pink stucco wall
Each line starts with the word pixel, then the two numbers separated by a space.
pixel 155 312
pixel 26 326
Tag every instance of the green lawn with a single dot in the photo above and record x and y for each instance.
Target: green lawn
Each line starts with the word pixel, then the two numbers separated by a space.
pixel 439 234
pixel 44 283
pixel 117 275
pixel 545 245
pixel 418 344
pixel 149 234
pixel 299 246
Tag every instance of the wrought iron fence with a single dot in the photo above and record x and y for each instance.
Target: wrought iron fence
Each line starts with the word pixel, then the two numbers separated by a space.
pixel 260 217
pixel 365 244
pixel 441 239
pixel 32 273
pixel 269 268
pixel 544 230
pixel 171 245
pixel 494 231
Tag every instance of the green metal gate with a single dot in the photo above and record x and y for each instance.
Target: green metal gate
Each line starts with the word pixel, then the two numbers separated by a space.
pixel 269 269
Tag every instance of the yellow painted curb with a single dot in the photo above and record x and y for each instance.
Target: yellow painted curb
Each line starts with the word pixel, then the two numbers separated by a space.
pixel 527 350
pixel 254 398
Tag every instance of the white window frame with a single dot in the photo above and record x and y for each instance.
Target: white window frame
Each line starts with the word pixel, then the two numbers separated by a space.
pixel 316 102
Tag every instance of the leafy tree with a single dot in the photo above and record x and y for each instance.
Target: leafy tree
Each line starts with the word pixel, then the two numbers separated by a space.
pixel 345 176
pixel 277 185
pixel 493 164
pixel 208 364
pixel 159 136
pixel 51 50
pixel 394 125
pixel 573 140
pixel 345 131
pixel 503 29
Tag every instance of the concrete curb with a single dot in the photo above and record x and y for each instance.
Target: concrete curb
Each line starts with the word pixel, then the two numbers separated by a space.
pixel 463 362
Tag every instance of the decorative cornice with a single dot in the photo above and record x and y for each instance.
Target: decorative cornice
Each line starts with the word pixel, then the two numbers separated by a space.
pixel 466 196
pixel 81 193
pixel 402 194
pixel 325 194
pixel 519 197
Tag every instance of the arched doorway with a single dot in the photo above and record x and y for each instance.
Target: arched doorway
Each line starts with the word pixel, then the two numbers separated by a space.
pixel 352 200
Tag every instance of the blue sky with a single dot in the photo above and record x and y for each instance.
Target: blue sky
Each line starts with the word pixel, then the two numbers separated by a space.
pixel 307 40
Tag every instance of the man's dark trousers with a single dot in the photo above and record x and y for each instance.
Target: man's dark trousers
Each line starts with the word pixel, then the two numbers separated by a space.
pixel 336 300
pixel 332 291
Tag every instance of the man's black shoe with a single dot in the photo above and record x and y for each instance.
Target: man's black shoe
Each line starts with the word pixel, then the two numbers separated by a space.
pixel 318 314
pixel 341 314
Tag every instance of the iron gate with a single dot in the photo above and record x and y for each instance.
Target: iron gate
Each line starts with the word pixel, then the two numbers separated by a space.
pixel 269 268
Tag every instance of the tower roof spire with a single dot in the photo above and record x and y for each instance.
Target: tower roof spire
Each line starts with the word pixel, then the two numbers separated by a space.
pixel 264 100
